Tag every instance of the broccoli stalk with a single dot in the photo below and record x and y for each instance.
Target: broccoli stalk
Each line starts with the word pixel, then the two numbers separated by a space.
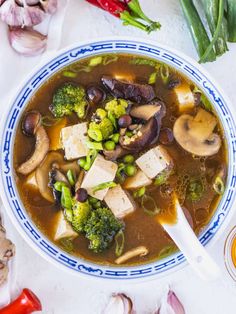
pixel 68 99
pixel 80 215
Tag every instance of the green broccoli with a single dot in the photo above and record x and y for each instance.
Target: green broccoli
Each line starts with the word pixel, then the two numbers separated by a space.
pixel 80 215
pixel 101 127
pixel 68 99
pixel 117 107
pixel 100 229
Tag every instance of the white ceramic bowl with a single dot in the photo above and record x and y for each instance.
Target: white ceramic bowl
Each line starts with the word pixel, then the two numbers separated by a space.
pixel 9 192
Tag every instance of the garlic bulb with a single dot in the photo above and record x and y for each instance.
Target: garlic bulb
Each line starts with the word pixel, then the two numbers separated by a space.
pixel 26 13
pixel 119 304
pixel 27 42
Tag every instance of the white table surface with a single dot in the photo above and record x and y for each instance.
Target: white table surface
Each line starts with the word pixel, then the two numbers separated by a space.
pixel 63 293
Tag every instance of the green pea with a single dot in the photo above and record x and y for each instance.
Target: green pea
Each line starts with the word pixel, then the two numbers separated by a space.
pixel 87 166
pixel 82 162
pixel 130 170
pixel 128 159
pixel 116 137
pixel 109 145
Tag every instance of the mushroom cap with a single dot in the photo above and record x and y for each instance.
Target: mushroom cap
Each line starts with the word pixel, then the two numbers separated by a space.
pixel 188 140
pixel 30 123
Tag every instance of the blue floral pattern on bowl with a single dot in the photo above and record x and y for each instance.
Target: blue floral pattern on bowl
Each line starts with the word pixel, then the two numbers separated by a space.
pixel 11 197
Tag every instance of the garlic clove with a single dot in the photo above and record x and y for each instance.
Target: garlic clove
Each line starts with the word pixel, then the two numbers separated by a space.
pixel 28 2
pixel 119 304
pixel 21 16
pixel 27 42
pixel 49 6
pixel 170 304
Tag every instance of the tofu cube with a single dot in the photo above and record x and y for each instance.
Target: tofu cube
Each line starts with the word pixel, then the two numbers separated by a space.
pixel 184 97
pixel 63 228
pixel 119 202
pixel 137 181
pixel 102 171
pixel 73 140
pixel 154 161
pixel 31 181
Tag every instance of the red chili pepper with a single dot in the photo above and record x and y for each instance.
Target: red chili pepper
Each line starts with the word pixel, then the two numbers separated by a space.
pixel 26 303
pixel 95 3
pixel 112 6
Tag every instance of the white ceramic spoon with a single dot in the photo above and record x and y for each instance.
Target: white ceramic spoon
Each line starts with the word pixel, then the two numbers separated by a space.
pixel 194 252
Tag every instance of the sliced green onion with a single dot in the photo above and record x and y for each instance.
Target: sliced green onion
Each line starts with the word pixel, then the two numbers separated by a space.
pixel 140 61
pixel 120 169
pixel 92 154
pixel 49 121
pixel 80 68
pixel 69 74
pixel 104 186
pixel 140 192
pixel 219 186
pixel 70 177
pixel 120 243
pixel 149 205
pixel 152 78
pixel 94 145
pixel 113 120
pixel 166 251
pixel 95 61
pixel 109 59
pixel 164 73
pixel 66 199
pixel 58 185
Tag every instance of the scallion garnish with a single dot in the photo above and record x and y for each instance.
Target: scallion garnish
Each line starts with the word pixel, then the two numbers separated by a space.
pixel 104 186
pixel 218 185
pixel 70 177
pixel 149 205
pixel 120 243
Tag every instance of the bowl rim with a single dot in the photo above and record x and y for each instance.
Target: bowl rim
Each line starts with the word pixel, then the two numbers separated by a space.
pixel 30 232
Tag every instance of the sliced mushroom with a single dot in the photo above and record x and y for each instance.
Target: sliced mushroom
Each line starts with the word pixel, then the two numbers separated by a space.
pixel 42 174
pixel 54 176
pixel 140 93
pixel 79 180
pixel 138 251
pixel 145 112
pixel 32 126
pixel 147 134
pixel 195 134
pixel 115 154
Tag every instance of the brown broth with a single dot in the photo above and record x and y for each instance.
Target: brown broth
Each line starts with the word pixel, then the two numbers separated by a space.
pixel 140 228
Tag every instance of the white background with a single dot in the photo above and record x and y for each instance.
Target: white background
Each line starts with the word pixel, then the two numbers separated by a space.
pixel 63 293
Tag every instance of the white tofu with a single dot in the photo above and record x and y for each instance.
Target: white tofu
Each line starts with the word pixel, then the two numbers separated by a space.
pixel 102 171
pixel 63 228
pixel 73 140
pixel 154 161
pixel 31 181
pixel 119 202
pixel 137 181
pixel 184 97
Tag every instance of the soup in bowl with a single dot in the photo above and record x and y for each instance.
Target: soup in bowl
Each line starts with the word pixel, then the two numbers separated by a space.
pixel 110 141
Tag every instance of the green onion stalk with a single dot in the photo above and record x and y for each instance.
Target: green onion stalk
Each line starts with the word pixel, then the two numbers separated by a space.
pixel 231 19
pixel 211 8
pixel 197 30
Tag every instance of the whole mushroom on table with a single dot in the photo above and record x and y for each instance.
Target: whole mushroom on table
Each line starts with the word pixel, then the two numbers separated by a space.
pixel 21 16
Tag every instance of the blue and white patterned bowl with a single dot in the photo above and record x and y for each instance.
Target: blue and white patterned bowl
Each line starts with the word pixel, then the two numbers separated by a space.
pixel 9 192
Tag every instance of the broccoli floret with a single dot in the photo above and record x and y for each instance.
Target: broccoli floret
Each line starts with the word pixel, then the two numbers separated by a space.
pixel 80 215
pixel 117 107
pixel 100 229
pixel 101 127
pixel 68 99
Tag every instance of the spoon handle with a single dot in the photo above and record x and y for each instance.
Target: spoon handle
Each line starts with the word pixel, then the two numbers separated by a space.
pixel 194 252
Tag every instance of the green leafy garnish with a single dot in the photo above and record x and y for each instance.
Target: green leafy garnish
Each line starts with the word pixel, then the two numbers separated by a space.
pixel 140 61
pixel 120 242
pixel 152 78
pixel 104 186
